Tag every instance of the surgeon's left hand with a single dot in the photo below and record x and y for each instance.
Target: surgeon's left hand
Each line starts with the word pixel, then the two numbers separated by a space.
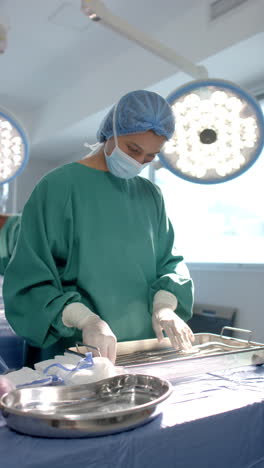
pixel 180 335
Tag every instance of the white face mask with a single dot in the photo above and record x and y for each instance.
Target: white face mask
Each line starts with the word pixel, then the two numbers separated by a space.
pixel 120 163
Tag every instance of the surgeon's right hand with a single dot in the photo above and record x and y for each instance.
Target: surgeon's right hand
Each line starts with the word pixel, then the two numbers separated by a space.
pixel 96 332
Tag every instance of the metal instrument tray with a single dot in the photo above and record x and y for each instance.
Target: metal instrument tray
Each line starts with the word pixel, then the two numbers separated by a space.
pixel 111 405
pixel 209 353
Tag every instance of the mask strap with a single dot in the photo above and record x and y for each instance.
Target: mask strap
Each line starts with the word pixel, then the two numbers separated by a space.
pixel 114 124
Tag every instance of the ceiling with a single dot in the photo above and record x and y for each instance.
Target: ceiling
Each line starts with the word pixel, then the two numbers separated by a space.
pixel 61 72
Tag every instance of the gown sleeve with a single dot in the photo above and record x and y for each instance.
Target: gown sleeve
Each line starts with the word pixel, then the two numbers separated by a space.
pixel 33 294
pixel 172 273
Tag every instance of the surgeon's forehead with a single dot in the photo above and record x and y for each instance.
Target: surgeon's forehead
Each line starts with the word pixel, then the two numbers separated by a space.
pixel 146 141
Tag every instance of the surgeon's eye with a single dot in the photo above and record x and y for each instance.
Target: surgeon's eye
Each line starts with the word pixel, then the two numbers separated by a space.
pixel 133 150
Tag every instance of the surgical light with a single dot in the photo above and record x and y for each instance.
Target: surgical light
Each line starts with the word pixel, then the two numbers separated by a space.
pixel 14 151
pixel 219 132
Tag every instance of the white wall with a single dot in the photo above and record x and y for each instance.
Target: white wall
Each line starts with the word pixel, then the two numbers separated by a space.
pixel 241 287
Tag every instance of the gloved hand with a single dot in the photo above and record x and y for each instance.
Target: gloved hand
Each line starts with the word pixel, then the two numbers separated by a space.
pixel 164 318
pixel 180 335
pixel 95 331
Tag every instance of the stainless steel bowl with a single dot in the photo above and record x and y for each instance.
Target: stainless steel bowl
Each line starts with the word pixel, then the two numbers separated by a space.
pixel 112 405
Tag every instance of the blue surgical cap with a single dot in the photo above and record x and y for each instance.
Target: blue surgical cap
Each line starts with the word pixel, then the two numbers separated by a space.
pixel 138 112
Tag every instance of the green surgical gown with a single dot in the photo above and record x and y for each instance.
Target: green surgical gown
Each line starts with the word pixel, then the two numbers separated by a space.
pixel 88 236
pixel 8 238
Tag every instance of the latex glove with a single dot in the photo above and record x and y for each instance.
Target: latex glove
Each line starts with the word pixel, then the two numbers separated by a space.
pixel 180 335
pixel 96 332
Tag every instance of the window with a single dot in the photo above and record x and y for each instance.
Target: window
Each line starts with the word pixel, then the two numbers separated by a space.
pixel 217 223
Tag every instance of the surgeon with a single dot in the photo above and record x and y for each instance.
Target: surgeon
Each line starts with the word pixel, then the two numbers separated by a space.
pixel 94 260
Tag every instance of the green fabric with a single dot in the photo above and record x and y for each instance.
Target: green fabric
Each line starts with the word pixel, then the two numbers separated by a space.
pixel 88 236
pixel 8 238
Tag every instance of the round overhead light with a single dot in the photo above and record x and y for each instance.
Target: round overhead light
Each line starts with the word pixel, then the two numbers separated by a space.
pixel 14 148
pixel 219 132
